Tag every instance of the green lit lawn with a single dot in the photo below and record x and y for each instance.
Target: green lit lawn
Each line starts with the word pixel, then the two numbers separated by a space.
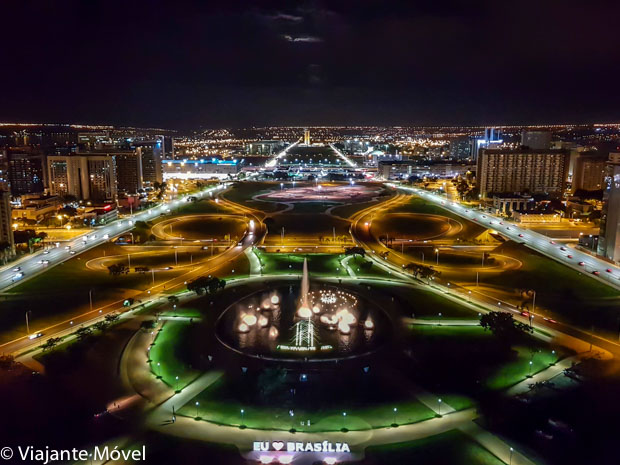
pixel 564 291
pixel 63 292
pixel 469 354
pixel 217 407
pixel 516 371
pixel 164 351
pixel 427 304
pixel 453 448
pixel 284 263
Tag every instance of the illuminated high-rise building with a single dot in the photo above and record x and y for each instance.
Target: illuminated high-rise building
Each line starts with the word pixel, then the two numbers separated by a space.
pixel 306 136
pixel 609 237
pixel 6 231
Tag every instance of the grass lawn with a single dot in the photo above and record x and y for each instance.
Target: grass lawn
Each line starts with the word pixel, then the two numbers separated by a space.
pixel 164 352
pixel 563 291
pixel 242 192
pixel 63 292
pixel 421 303
pixel 217 406
pixel 419 205
pixel 517 370
pixel 470 356
pixel 284 263
pixel 452 447
pixel 311 207
pixel 200 206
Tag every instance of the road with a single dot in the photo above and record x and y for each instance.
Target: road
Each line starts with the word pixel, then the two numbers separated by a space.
pixel 253 236
pixel 596 268
pixel 361 230
pixel 41 261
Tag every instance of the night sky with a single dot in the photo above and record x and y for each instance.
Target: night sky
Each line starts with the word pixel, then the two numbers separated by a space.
pixel 227 63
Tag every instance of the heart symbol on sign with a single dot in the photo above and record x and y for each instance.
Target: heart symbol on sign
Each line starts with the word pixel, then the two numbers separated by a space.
pixel 277 445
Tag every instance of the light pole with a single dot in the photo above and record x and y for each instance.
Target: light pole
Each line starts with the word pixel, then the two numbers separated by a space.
pixel 511 451
pixel 197 405
pixel 177 383
pixel 90 299
pixel 28 322
pixel 344 420
pixel 158 371
pixel 439 409
pixel 437 253
pixel 395 411
pixel 242 412
pixel 422 257
pixel 530 372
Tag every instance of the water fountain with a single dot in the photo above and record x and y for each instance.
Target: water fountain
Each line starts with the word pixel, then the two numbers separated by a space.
pixel 316 324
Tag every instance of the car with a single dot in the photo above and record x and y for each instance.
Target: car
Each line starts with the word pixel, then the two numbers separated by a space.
pixel 596 273
pixel 45 252
pixel 72 252
pixel 16 269
pixel 582 264
pixel 552 242
pixel 67 247
pixel 608 270
pixel 239 244
pixel 563 249
pixel 501 223
pixel 508 228
pixel 168 268
pixel 484 216
pixel 106 236
pixel 35 336
pixel 525 314
pixel 569 256
pixel 18 275
pixel 520 235
pixel 43 262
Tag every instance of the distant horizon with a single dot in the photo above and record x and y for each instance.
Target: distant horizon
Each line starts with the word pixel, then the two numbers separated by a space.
pixel 104 126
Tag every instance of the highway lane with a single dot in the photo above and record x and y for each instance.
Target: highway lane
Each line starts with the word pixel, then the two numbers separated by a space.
pixel 39 262
pixel 594 267
pixel 253 236
pixel 362 234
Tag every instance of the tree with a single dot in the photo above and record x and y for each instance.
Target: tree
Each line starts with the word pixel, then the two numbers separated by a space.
pixel 5 250
pixel 101 326
pixel 355 251
pixel 112 317
pixel 51 343
pixel 504 326
pixel 84 333
pixel 206 284
pixel 118 269
pixel 7 362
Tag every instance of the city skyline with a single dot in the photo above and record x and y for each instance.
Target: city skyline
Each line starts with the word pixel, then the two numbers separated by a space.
pixel 242 64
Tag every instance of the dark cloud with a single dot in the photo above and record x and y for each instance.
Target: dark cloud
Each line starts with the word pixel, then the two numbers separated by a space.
pixel 352 61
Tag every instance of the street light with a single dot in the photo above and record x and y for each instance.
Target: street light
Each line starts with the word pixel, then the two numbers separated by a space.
pixel 242 412
pixel 197 405
pixel 439 409
pixel 395 411
pixel 177 383
pixel 344 419
pixel 511 451
pixel 437 253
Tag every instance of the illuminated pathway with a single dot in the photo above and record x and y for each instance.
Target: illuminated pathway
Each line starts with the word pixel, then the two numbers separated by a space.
pixel 346 159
